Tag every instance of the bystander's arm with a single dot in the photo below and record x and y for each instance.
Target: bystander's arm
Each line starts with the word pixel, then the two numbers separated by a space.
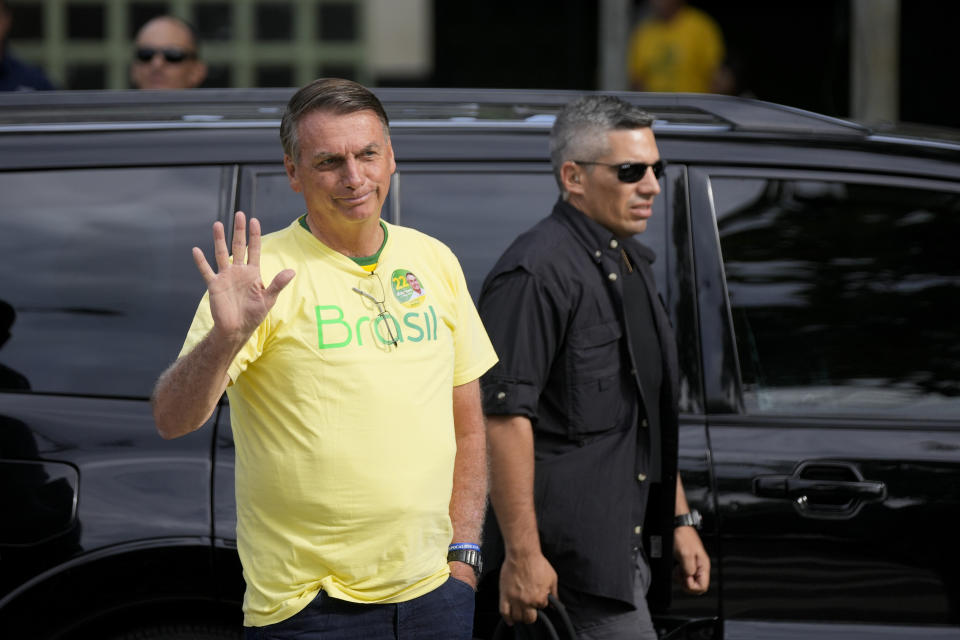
pixel 693 561
pixel 526 578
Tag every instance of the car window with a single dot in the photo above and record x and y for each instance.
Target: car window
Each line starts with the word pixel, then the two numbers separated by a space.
pixel 98 275
pixel 477 213
pixel 265 193
pixel 270 199
pixel 438 202
pixel 843 295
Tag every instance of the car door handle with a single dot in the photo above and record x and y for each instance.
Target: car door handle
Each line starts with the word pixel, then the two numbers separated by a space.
pixel 822 489
pixel 791 487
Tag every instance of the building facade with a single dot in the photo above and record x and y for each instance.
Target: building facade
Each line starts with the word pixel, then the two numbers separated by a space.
pixel 88 44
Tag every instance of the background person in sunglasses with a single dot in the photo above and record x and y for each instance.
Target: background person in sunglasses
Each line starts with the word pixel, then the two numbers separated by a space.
pixel 165 56
pixel 581 409
pixel 359 503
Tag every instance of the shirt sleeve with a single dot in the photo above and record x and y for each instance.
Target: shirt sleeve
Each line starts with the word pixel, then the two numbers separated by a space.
pixel 473 353
pixel 527 328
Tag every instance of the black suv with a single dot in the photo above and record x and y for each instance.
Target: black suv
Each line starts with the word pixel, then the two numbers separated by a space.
pixel 806 263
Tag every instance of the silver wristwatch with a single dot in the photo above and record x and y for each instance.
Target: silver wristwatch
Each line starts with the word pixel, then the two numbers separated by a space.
pixel 691 519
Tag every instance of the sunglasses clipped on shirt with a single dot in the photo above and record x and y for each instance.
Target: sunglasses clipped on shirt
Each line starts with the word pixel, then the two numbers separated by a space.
pixel 170 54
pixel 632 171
pixel 378 298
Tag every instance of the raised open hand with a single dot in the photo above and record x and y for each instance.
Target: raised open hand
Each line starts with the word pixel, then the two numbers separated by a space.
pixel 238 300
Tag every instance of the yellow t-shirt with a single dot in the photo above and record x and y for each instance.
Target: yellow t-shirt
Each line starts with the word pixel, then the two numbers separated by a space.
pixel 680 55
pixel 345 444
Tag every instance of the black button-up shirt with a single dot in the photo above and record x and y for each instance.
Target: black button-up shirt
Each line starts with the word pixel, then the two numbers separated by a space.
pixel 553 307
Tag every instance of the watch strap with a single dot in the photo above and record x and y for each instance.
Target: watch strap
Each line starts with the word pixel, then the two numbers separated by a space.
pixel 692 519
pixel 468 554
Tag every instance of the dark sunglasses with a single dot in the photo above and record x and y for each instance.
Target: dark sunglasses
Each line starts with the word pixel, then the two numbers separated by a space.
pixel 632 171
pixel 174 56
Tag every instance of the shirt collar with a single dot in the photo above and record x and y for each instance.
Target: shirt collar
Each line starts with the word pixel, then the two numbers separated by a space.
pixel 595 238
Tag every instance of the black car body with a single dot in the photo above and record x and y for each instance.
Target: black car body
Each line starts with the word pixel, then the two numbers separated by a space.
pixel 807 264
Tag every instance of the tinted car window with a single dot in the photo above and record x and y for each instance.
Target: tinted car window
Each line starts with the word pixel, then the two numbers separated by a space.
pixel 272 200
pixel 97 267
pixel 439 202
pixel 843 295
pixel 266 194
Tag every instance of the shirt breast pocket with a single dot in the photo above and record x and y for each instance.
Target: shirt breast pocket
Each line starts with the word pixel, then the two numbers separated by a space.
pixel 595 394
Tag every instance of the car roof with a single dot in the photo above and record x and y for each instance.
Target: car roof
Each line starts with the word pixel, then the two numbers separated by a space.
pixel 679 115
pixel 223 107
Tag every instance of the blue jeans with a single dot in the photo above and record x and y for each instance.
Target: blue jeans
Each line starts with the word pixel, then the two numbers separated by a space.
pixel 446 613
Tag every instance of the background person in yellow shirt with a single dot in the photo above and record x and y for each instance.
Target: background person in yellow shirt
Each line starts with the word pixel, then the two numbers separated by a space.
pixel 359 503
pixel 678 48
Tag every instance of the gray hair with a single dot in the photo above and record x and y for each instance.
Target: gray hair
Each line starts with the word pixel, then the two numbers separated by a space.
pixel 579 132
pixel 334 95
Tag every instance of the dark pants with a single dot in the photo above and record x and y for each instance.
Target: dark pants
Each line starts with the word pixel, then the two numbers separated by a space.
pixel 446 613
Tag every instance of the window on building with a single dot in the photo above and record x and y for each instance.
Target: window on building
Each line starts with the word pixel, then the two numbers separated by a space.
pixel 28 22
pixel 219 76
pixel 141 12
pixel 275 75
pixel 338 21
pixel 213 20
pixel 337 70
pixel 274 21
pixel 86 21
pixel 90 75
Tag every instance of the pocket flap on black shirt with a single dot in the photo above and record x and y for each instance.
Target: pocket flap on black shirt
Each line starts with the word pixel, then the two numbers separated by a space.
pixel 595 336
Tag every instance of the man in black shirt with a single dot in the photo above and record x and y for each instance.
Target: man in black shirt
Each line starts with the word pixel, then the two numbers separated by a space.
pixel 582 407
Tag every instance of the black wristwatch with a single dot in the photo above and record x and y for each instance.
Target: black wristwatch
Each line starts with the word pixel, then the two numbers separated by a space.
pixel 691 519
pixel 468 554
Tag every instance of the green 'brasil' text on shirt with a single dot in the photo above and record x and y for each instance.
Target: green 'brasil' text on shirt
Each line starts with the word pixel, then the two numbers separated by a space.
pixel 344 443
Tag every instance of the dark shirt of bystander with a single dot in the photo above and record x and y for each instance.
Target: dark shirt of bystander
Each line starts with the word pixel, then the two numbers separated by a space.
pixel 566 363
pixel 16 75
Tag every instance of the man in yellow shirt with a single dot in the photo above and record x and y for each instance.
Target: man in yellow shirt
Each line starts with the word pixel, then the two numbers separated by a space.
pixel 677 48
pixel 359 502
